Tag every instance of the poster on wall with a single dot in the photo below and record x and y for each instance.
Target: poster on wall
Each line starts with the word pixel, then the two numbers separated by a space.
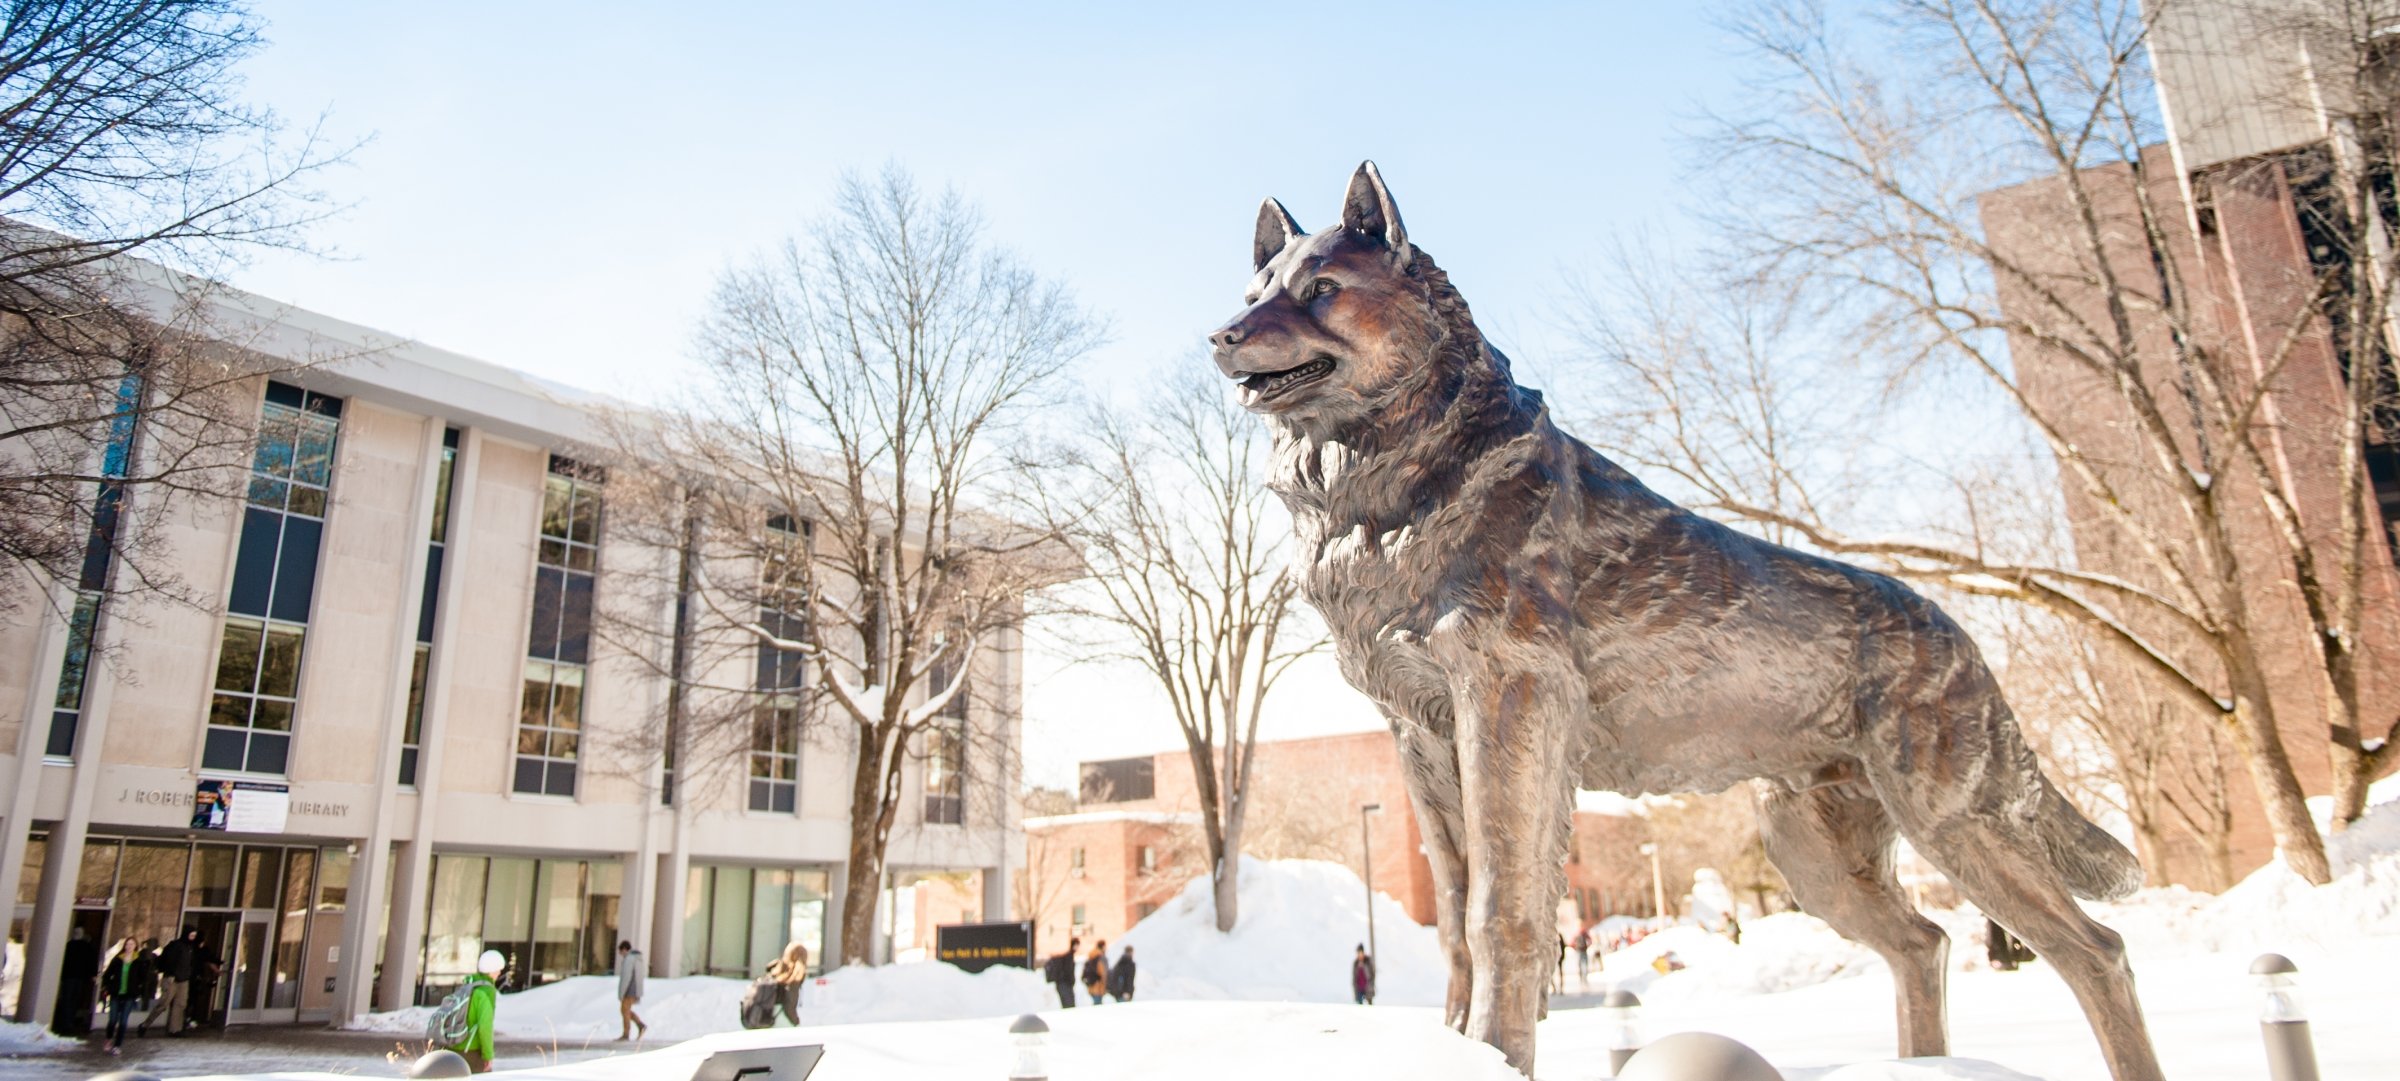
pixel 241 806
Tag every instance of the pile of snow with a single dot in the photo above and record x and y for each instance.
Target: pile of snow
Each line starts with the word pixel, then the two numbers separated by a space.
pixel 1301 921
pixel 2274 909
pixel 28 1038
pixel 1777 953
pixel 584 1009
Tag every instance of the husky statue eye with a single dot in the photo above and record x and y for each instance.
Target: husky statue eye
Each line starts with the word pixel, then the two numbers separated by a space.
pixel 1322 287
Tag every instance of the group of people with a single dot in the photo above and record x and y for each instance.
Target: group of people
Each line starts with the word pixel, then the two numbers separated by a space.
pixel 1100 979
pixel 171 986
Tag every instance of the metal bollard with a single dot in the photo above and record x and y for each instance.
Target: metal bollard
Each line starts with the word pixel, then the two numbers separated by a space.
pixel 2282 1024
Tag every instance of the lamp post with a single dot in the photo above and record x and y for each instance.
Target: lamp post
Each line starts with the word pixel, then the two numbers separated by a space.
pixel 1658 884
pixel 1366 850
pixel 2291 1054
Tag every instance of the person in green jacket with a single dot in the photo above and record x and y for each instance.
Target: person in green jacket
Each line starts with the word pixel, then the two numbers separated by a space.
pixel 483 1002
pixel 121 985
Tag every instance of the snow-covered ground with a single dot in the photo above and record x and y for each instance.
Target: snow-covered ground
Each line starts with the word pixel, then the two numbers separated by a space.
pixel 1270 1000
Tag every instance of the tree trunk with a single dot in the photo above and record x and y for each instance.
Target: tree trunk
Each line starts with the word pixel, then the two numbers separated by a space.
pixel 1226 880
pixel 2279 792
pixel 2353 771
pixel 862 877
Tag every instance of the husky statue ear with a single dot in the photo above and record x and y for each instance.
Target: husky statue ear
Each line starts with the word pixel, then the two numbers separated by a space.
pixel 1275 229
pixel 1367 209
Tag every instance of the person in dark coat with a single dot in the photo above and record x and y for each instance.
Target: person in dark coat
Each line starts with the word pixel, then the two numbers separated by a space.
pixel 1120 977
pixel 145 973
pixel 1362 977
pixel 78 967
pixel 205 965
pixel 170 1008
pixel 1060 971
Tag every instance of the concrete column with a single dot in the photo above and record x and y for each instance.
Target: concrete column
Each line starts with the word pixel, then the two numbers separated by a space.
pixel 835 898
pixel 33 733
pixel 666 922
pixel 367 875
pixel 403 946
pixel 48 934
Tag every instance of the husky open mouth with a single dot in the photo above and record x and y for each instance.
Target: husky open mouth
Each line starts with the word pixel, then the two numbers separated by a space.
pixel 1260 386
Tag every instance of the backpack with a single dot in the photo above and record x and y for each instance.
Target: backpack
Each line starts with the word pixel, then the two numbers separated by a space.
pixel 449 1026
pixel 758 1004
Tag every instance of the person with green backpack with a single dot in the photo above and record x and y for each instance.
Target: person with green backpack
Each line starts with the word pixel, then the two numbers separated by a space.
pixel 464 1021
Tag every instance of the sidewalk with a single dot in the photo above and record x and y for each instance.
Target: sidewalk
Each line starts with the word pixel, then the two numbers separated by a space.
pixel 266 1048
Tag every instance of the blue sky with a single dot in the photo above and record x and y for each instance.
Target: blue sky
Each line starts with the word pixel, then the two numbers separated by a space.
pixel 554 187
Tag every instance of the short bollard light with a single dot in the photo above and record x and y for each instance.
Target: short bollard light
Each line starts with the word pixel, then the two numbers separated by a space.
pixel 1032 1037
pixel 440 1063
pixel 1699 1056
pixel 2282 1023
pixel 1622 1013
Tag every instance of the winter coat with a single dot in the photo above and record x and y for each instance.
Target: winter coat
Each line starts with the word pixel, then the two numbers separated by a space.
pixel 145 975
pixel 1059 969
pixel 483 1004
pixel 630 972
pixel 1095 973
pixel 1120 978
pixel 1362 974
pixel 121 980
pixel 175 959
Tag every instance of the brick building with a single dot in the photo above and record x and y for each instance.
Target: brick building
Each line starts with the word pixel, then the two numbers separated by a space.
pixel 1134 841
pixel 2241 185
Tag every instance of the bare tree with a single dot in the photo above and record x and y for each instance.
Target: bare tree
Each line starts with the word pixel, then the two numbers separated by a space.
pixel 1184 574
pixel 861 393
pixel 122 134
pixel 1868 188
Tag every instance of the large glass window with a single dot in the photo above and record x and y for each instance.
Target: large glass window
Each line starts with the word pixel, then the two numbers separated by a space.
pixel 549 725
pixel 946 746
pixel 274 584
pixel 551 918
pixel 775 756
pixel 99 554
pixel 737 919
pixel 411 735
pixel 548 738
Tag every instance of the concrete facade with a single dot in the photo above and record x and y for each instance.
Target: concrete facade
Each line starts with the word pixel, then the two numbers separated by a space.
pixel 374 885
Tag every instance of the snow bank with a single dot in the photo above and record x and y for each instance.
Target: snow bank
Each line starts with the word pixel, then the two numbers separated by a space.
pixel 27 1038
pixel 1782 952
pixel 2274 909
pixel 1301 921
pixel 584 1009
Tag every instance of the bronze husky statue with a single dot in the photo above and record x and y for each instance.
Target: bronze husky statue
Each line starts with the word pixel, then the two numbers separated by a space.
pixel 1531 619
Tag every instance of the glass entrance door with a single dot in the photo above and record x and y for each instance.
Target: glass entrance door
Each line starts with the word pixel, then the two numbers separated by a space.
pixel 247 988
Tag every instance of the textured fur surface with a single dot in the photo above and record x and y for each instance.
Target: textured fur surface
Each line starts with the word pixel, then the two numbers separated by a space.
pixel 1532 619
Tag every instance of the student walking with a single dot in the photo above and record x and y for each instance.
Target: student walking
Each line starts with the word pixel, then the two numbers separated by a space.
pixel 1362 978
pixel 630 973
pixel 174 984
pixel 790 973
pixel 1120 977
pixel 483 1007
pixel 122 988
pixel 1060 971
pixel 1095 972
